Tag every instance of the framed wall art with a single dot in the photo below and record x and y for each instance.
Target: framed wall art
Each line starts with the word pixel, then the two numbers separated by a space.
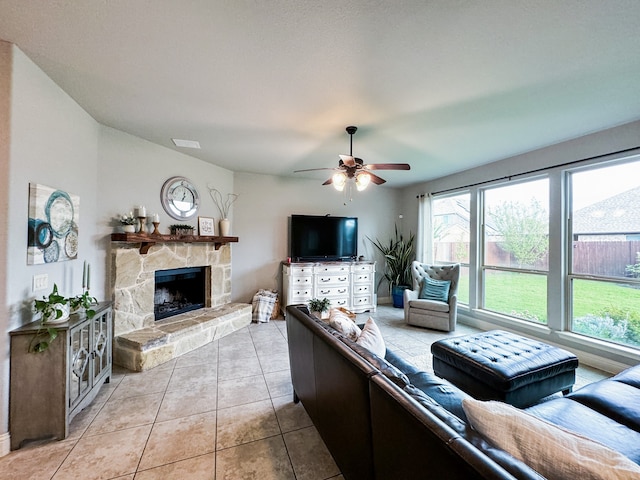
pixel 53 225
pixel 206 227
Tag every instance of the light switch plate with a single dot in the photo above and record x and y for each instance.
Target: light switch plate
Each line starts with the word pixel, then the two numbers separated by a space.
pixel 40 282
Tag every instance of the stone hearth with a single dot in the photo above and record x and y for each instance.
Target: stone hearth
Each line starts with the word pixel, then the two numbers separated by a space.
pixel 140 342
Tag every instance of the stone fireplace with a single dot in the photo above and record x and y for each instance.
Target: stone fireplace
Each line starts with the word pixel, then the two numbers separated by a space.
pixel 142 342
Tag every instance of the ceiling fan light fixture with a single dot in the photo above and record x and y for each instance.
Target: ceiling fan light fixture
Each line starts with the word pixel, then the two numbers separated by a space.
pixel 362 181
pixel 339 180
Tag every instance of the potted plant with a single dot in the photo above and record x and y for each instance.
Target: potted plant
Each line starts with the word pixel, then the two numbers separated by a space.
pixel 398 254
pixel 53 309
pixel 319 308
pixel 128 222
pixel 181 229
pixel 85 302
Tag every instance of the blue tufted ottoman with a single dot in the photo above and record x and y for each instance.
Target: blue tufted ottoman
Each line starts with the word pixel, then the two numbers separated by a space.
pixel 498 365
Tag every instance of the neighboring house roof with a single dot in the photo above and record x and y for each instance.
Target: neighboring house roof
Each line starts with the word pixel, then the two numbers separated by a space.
pixel 617 214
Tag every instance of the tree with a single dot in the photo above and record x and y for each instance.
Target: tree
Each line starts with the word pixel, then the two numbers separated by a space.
pixel 523 229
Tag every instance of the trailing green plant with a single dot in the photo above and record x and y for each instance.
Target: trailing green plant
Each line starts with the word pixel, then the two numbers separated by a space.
pixel 42 339
pixel 317 305
pixel 52 307
pixel 398 254
pixel 84 301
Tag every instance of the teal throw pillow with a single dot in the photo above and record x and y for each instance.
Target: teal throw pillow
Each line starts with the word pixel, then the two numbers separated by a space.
pixel 435 289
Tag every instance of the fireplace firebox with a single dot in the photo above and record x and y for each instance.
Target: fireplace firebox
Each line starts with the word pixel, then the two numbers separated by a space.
pixel 179 290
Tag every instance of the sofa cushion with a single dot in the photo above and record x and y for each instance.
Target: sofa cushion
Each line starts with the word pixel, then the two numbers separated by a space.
pixel 400 363
pixel 614 399
pixel 386 368
pixel 440 390
pixel 371 338
pixel 581 419
pixel 434 289
pixel 430 305
pixel 550 450
pixel 341 322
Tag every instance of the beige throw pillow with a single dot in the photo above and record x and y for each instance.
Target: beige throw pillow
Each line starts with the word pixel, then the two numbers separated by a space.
pixel 371 338
pixel 341 322
pixel 552 451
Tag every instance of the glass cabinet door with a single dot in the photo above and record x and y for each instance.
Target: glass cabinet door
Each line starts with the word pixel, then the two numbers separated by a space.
pixel 101 348
pixel 79 363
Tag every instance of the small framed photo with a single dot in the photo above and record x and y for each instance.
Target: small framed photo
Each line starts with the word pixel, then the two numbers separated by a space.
pixel 206 227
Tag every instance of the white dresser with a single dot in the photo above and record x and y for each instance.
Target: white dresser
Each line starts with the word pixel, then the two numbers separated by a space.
pixel 346 284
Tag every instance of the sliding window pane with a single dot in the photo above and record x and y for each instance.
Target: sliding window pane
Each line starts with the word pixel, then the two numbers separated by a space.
pixel 451 229
pixel 516 226
pixel 606 221
pixel 463 286
pixel 520 295
pixel 608 311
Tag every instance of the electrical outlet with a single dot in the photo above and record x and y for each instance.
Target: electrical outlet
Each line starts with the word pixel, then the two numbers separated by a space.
pixel 40 282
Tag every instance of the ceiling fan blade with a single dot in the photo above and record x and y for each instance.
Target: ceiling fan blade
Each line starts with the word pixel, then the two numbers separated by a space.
pixel 348 160
pixel 388 166
pixel 376 179
pixel 328 182
pixel 314 169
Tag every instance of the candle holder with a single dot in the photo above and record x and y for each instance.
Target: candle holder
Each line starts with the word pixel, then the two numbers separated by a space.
pixel 142 225
pixel 155 228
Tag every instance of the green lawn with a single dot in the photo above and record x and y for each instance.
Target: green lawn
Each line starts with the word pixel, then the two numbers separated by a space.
pixel 526 294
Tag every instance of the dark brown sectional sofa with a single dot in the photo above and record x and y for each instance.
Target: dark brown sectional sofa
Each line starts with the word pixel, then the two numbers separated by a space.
pixel 386 419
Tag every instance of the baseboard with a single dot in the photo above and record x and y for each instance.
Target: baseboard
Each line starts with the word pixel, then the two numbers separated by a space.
pixel 5 444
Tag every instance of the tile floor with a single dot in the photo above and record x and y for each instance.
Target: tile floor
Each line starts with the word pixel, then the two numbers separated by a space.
pixel 221 412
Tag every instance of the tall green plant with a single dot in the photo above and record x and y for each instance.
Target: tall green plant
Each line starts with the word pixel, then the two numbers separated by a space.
pixel 398 254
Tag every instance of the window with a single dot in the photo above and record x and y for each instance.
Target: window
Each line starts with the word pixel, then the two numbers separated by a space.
pixel 604 247
pixel 451 234
pixel 515 249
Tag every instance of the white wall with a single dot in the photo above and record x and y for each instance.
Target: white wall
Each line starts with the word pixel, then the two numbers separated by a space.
pixel 131 172
pixel 52 142
pixel 261 216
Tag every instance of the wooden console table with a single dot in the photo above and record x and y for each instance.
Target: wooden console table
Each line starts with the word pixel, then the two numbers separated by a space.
pixel 147 240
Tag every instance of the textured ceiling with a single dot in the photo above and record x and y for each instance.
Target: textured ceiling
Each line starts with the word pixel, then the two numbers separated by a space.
pixel 269 86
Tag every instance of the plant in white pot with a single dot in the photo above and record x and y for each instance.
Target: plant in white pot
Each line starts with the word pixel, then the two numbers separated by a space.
pixel 53 309
pixel 83 302
pixel 320 308
pixel 128 222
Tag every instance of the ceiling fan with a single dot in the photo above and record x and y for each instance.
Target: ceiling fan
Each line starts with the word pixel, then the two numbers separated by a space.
pixel 354 168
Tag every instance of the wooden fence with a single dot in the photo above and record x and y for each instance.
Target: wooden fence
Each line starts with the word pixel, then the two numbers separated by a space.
pixel 594 258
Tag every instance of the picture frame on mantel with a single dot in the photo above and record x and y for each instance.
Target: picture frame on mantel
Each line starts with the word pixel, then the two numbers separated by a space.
pixel 206 227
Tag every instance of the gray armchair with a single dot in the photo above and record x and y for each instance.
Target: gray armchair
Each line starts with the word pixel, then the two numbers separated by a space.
pixel 435 314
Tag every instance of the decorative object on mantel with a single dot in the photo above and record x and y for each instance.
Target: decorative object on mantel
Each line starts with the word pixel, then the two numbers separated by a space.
pixel 179 198
pixel 128 222
pixel 141 213
pixel 206 227
pixel 181 229
pixel 223 207
pixel 53 225
pixel 155 219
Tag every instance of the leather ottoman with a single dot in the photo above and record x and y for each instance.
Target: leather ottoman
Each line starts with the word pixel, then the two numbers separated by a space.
pixel 498 365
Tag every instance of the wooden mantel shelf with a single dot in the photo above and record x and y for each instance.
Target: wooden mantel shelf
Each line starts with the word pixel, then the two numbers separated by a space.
pixel 147 240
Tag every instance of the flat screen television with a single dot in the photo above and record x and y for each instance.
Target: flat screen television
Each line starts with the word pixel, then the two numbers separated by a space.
pixel 318 238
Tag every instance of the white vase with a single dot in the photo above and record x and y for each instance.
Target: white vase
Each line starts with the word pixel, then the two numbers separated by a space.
pixel 225 227
pixel 129 228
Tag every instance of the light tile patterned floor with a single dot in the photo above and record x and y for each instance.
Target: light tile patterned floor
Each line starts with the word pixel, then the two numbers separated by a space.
pixel 222 412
